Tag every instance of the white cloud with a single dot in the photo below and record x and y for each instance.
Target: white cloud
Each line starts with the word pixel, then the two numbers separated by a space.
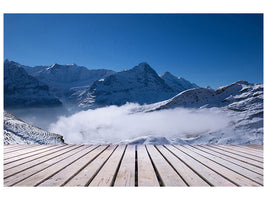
pixel 115 124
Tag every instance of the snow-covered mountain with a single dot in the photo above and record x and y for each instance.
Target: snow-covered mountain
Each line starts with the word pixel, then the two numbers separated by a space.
pixel 140 84
pixel 17 131
pixel 238 106
pixel 63 80
pixel 237 96
pixel 23 90
pixel 178 84
pixel 231 114
pixel 77 86
pixel 241 101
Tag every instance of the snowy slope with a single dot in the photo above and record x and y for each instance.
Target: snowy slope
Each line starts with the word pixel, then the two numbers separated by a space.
pixel 231 114
pixel 17 131
pixel 140 84
pixel 63 80
pixel 232 96
pixel 177 83
pixel 23 90
pixel 241 101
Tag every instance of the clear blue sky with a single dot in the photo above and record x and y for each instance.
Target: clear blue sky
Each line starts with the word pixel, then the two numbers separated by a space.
pixel 207 49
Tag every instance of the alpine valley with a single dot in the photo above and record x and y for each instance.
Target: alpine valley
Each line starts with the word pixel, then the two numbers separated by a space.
pixel 74 89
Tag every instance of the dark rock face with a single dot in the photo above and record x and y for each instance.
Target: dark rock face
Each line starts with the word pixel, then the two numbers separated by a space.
pixel 23 90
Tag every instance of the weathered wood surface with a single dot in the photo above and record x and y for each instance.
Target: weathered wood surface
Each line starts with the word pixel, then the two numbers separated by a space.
pixel 133 165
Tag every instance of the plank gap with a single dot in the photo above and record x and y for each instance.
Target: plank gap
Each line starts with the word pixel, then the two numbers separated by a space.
pixel 44 167
pixel 136 168
pixel 208 167
pixel 118 167
pixel 237 153
pixel 96 172
pixel 42 161
pixel 228 158
pixel 18 149
pixel 23 162
pixel 235 171
pixel 66 165
pixel 189 166
pixel 233 156
pixel 155 169
pixel 242 151
pixel 171 166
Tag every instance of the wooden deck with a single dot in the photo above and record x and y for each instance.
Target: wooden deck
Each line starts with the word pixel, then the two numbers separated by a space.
pixel 133 165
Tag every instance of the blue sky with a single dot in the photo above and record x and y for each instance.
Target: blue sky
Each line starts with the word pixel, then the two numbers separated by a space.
pixel 207 49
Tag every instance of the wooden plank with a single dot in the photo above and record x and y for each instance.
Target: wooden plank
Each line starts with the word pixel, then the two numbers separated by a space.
pixel 168 175
pixel 146 173
pixel 24 152
pixel 66 174
pixel 206 173
pixel 12 146
pixel 258 154
pixel 43 175
pixel 26 155
pixel 31 157
pixel 259 147
pixel 17 146
pixel 190 177
pixel 82 165
pixel 229 174
pixel 260 160
pixel 254 148
pixel 15 178
pixel 84 176
pixel 19 168
pixel 242 158
pixel 107 173
pixel 126 173
pixel 14 150
pixel 236 168
pixel 244 148
pixel 213 151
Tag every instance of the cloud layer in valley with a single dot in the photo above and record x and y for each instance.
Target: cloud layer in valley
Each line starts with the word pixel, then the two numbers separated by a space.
pixel 115 124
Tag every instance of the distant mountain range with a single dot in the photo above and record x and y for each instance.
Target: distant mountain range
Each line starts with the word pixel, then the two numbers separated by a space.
pixel 140 84
pixel 72 85
pixel 62 78
pixel 78 86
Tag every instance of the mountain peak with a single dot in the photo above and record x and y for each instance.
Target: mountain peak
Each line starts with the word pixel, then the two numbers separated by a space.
pixel 241 82
pixel 10 62
pixel 168 75
pixel 55 66
pixel 59 66
pixel 143 66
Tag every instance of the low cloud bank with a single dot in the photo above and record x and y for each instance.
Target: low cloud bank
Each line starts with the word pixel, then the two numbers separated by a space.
pixel 115 124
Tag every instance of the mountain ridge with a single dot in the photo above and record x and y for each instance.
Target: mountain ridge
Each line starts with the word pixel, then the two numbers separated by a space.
pixel 78 86
pixel 179 84
pixel 141 84
pixel 23 90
